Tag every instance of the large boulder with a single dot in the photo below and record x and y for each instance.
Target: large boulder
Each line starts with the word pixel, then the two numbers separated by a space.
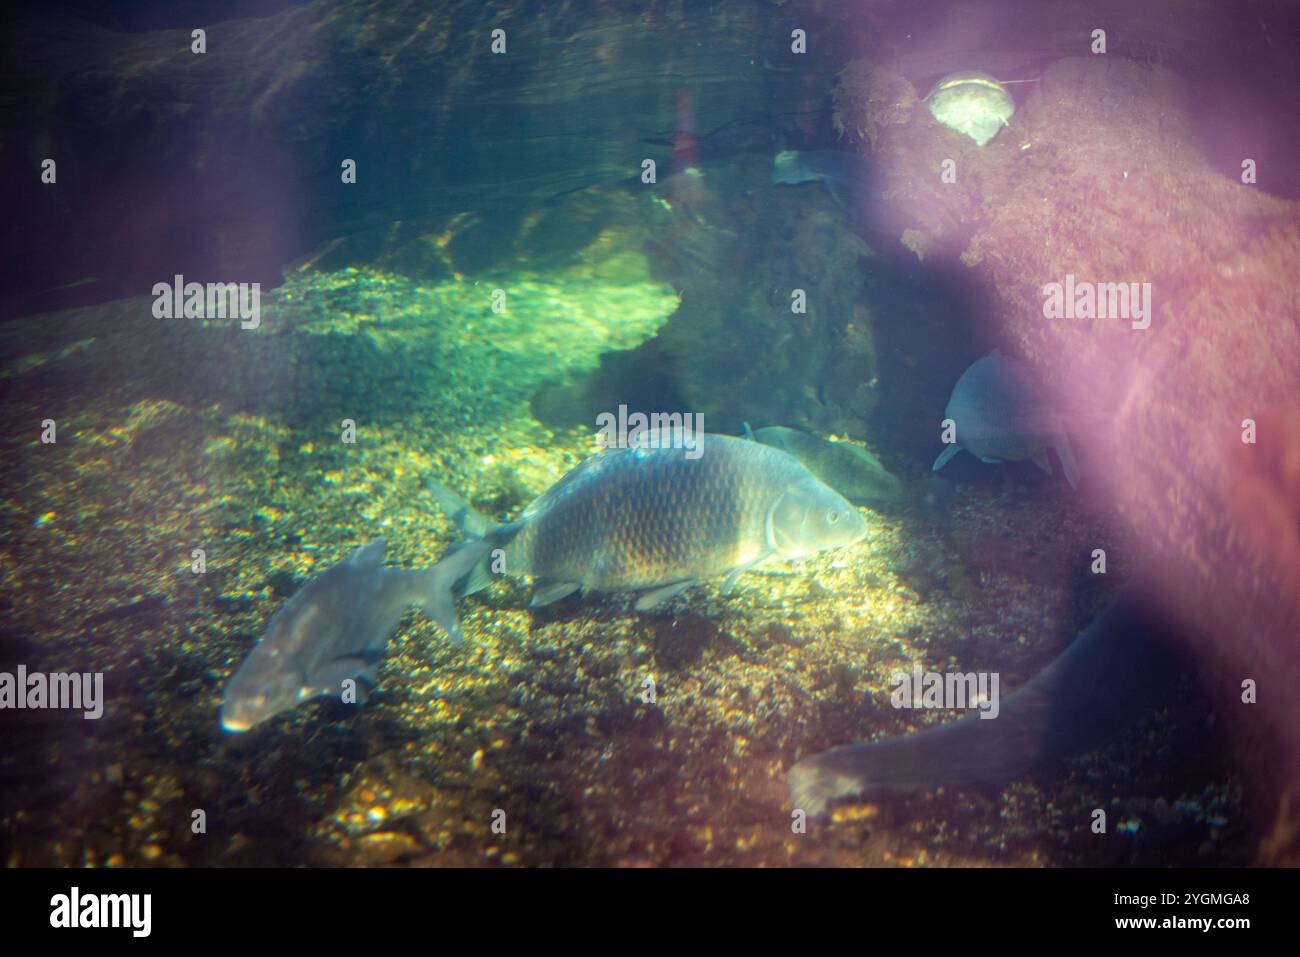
pixel 1098 177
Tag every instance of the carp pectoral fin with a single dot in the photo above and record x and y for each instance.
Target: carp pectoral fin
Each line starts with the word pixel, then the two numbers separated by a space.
pixel 329 678
pixel 945 456
pixel 1040 459
pixel 547 592
pixel 657 596
pixel 365 686
pixel 729 584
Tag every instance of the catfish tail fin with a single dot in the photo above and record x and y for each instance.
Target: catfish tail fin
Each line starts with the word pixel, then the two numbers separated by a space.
pixel 439 600
pixel 465 567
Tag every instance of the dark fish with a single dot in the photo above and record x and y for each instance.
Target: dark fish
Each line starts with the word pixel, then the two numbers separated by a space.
pixel 852 471
pixel 335 627
pixel 649 519
pixel 933 497
pixel 1001 417
pixel 1104 681
pixel 129 610
pixel 843 174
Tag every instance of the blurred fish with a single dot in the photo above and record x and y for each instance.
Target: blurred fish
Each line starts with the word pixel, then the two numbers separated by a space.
pixel 852 471
pixel 648 519
pixel 335 627
pixel 843 174
pixel 1001 417
pixel 686 142
pixel 973 103
pixel 934 496
pixel 1120 667
pixel 685 185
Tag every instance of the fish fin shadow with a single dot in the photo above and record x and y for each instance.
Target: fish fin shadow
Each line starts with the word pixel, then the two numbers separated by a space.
pixel 658 596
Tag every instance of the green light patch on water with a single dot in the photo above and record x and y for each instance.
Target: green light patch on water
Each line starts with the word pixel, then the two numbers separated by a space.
pixel 542 328
pixel 566 318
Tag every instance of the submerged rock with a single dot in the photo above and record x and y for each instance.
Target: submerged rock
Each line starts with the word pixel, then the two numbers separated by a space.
pixel 1167 407
pixel 973 103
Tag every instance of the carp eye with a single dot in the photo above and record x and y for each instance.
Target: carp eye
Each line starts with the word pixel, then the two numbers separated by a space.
pixel 832 517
